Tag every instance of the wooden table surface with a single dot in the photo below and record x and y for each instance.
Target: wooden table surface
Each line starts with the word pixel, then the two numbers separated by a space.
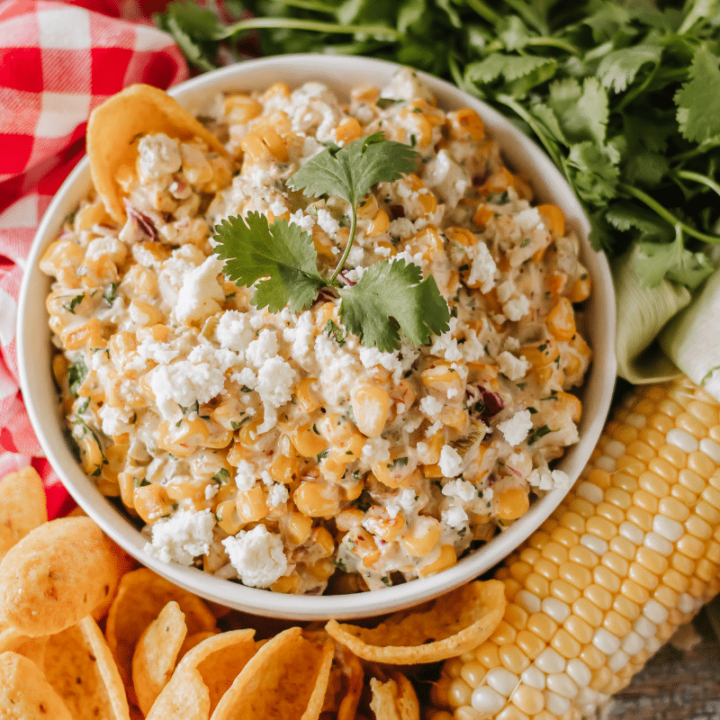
pixel 677 684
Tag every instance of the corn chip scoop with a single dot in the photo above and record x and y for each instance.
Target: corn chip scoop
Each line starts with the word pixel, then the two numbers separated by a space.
pixel 287 678
pixel 204 676
pixel 115 127
pixel 81 669
pixel 25 694
pixel 56 575
pixel 22 507
pixel 33 648
pixel 140 598
pixel 453 624
pixel 394 699
pixel 156 654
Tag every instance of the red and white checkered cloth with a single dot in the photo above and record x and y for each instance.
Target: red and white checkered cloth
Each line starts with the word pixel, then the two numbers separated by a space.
pixel 58 61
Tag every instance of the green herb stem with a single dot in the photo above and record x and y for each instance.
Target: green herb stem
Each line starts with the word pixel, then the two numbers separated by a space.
pixel 666 214
pixel 554 42
pixel 702 179
pixel 264 23
pixel 552 151
pixel 485 12
pixel 351 237
pixel 311 5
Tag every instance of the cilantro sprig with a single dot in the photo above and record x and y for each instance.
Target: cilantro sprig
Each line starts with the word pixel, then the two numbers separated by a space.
pixel 280 262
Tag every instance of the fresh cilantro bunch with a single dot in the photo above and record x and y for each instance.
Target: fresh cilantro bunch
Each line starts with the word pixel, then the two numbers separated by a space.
pixel 280 260
pixel 624 96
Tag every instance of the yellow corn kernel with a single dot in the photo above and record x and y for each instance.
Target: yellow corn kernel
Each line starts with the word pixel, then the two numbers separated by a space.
pixel 321 570
pixel 482 216
pixel 422 537
pixel 348 131
pixel 296 527
pixel 447 558
pixel 428 202
pixel 462 236
pixel 385 527
pixel 322 537
pixel 91 455
pixel 333 467
pixel 466 124
pixel 183 439
pixel 580 289
pixel 285 469
pixel 570 404
pixel 227 516
pixel 443 378
pixel 498 182
pixel 395 473
pixel 316 500
pixel 152 502
pixel 88 335
pixel 428 242
pixel 370 406
pixel 378 225
pixel 560 321
pixel 184 487
pixel 306 393
pixel 228 414
pixel 511 504
pixel 454 417
pixel 143 313
pixel 368 207
pixel 308 441
pixel 278 89
pixel 365 93
pixel 348 519
pixel 241 108
pixel 433 447
pixel 288 584
pixel 553 218
pixel 61 254
pixel 218 437
pixel 251 505
pixel 59 368
pixel 247 434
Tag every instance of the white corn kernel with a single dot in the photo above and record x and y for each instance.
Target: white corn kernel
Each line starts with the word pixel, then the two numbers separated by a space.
pixel 534 678
pixel 670 529
pixel 633 644
pixel 487 700
pixel 632 532
pixel 527 601
pixel 686 603
pixel 711 449
pixel 644 628
pixel 550 661
pixel 502 680
pixel 594 543
pixel 655 612
pixel 561 684
pixel 556 609
pixel 618 660
pixel 685 441
pixel 605 641
pixel 555 703
pixel 614 449
pixel 592 493
pixel 658 543
pixel 579 672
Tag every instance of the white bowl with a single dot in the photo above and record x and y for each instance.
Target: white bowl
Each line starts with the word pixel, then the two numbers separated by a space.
pixel 340 74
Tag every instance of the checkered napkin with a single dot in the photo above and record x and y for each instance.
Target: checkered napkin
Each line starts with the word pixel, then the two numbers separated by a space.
pixel 58 61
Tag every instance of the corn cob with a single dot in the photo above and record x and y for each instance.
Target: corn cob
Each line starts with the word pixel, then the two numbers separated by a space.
pixel 632 553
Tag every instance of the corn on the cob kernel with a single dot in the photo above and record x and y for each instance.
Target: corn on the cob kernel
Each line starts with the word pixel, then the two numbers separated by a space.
pixel 631 553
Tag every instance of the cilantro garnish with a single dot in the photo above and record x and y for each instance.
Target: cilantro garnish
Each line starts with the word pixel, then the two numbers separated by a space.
pixel 77 372
pixel 221 476
pixel 70 306
pixel 110 295
pixel 539 433
pixel 281 261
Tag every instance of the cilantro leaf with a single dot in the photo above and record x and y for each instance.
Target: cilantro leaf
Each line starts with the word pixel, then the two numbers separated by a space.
pixel 673 261
pixel 582 110
pixel 698 101
pixel 618 69
pixel 281 256
pixel 352 170
pixel 594 171
pixel 509 67
pixel 394 290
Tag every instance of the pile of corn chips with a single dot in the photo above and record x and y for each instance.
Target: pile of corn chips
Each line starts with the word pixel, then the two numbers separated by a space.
pixel 163 655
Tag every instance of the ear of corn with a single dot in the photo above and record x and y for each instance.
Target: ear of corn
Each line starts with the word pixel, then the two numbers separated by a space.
pixel 632 553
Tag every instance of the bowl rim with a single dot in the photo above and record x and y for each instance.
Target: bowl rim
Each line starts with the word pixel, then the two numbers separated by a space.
pixel 41 399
